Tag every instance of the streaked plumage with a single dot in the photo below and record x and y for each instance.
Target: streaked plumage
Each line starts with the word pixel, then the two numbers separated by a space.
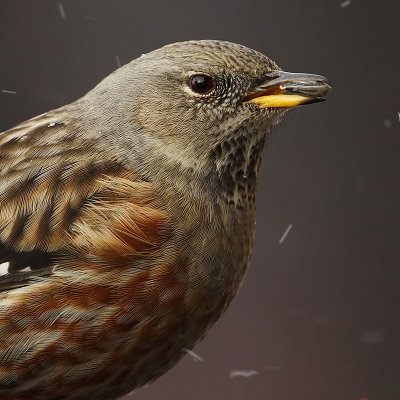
pixel 126 222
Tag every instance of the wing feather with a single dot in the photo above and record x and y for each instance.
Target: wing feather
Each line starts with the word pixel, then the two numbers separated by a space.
pixel 60 202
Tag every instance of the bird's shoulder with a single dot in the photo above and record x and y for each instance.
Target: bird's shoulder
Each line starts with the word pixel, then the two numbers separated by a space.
pixel 61 204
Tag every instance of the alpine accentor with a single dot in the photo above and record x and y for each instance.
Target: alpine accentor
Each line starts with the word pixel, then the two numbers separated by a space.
pixel 127 217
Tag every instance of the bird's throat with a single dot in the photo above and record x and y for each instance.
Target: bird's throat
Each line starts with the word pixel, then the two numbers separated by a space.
pixel 236 164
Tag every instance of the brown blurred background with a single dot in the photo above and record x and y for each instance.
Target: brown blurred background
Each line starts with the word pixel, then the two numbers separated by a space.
pixel 318 316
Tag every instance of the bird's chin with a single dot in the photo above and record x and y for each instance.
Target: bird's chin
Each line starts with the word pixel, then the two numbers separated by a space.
pixel 278 114
pixel 272 115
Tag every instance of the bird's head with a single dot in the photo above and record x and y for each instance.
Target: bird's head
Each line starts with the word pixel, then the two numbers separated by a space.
pixel 207 106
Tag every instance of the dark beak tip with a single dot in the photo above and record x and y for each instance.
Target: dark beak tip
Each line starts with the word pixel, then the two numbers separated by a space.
pixel 287 90
pixel 308 85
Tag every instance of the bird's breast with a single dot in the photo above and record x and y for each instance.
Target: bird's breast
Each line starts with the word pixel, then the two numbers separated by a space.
pixel 215 243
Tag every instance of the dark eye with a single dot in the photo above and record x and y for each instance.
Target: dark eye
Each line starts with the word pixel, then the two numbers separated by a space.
pixel 201 84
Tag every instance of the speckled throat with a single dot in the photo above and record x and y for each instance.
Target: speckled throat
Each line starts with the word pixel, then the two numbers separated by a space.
pixel 237 160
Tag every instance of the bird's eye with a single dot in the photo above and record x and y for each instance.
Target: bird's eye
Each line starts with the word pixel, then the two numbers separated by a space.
pixel 201 84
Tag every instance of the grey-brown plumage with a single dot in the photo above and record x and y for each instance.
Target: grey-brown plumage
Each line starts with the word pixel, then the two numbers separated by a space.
pixel 127 217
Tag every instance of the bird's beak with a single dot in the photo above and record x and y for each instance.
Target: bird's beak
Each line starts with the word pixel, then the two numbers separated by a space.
pixel 285 89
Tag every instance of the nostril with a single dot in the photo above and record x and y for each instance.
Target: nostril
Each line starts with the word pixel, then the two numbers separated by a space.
pixel 273 75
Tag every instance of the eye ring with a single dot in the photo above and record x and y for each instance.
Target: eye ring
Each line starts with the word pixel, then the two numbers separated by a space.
pixel 201 83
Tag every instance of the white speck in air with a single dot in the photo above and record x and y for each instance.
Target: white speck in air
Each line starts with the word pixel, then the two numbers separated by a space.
pixel 91 18
pixel 195 356
pixel 118 61
pixel 61 9
pixel 285 233
pixel 243 374
pixel 344 4
pixel 8 91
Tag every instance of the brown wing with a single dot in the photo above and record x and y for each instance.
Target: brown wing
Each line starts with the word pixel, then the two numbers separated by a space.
pixel 92 303
pixel 60 202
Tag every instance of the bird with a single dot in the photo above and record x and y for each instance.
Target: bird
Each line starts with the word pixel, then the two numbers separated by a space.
pixel 127 217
